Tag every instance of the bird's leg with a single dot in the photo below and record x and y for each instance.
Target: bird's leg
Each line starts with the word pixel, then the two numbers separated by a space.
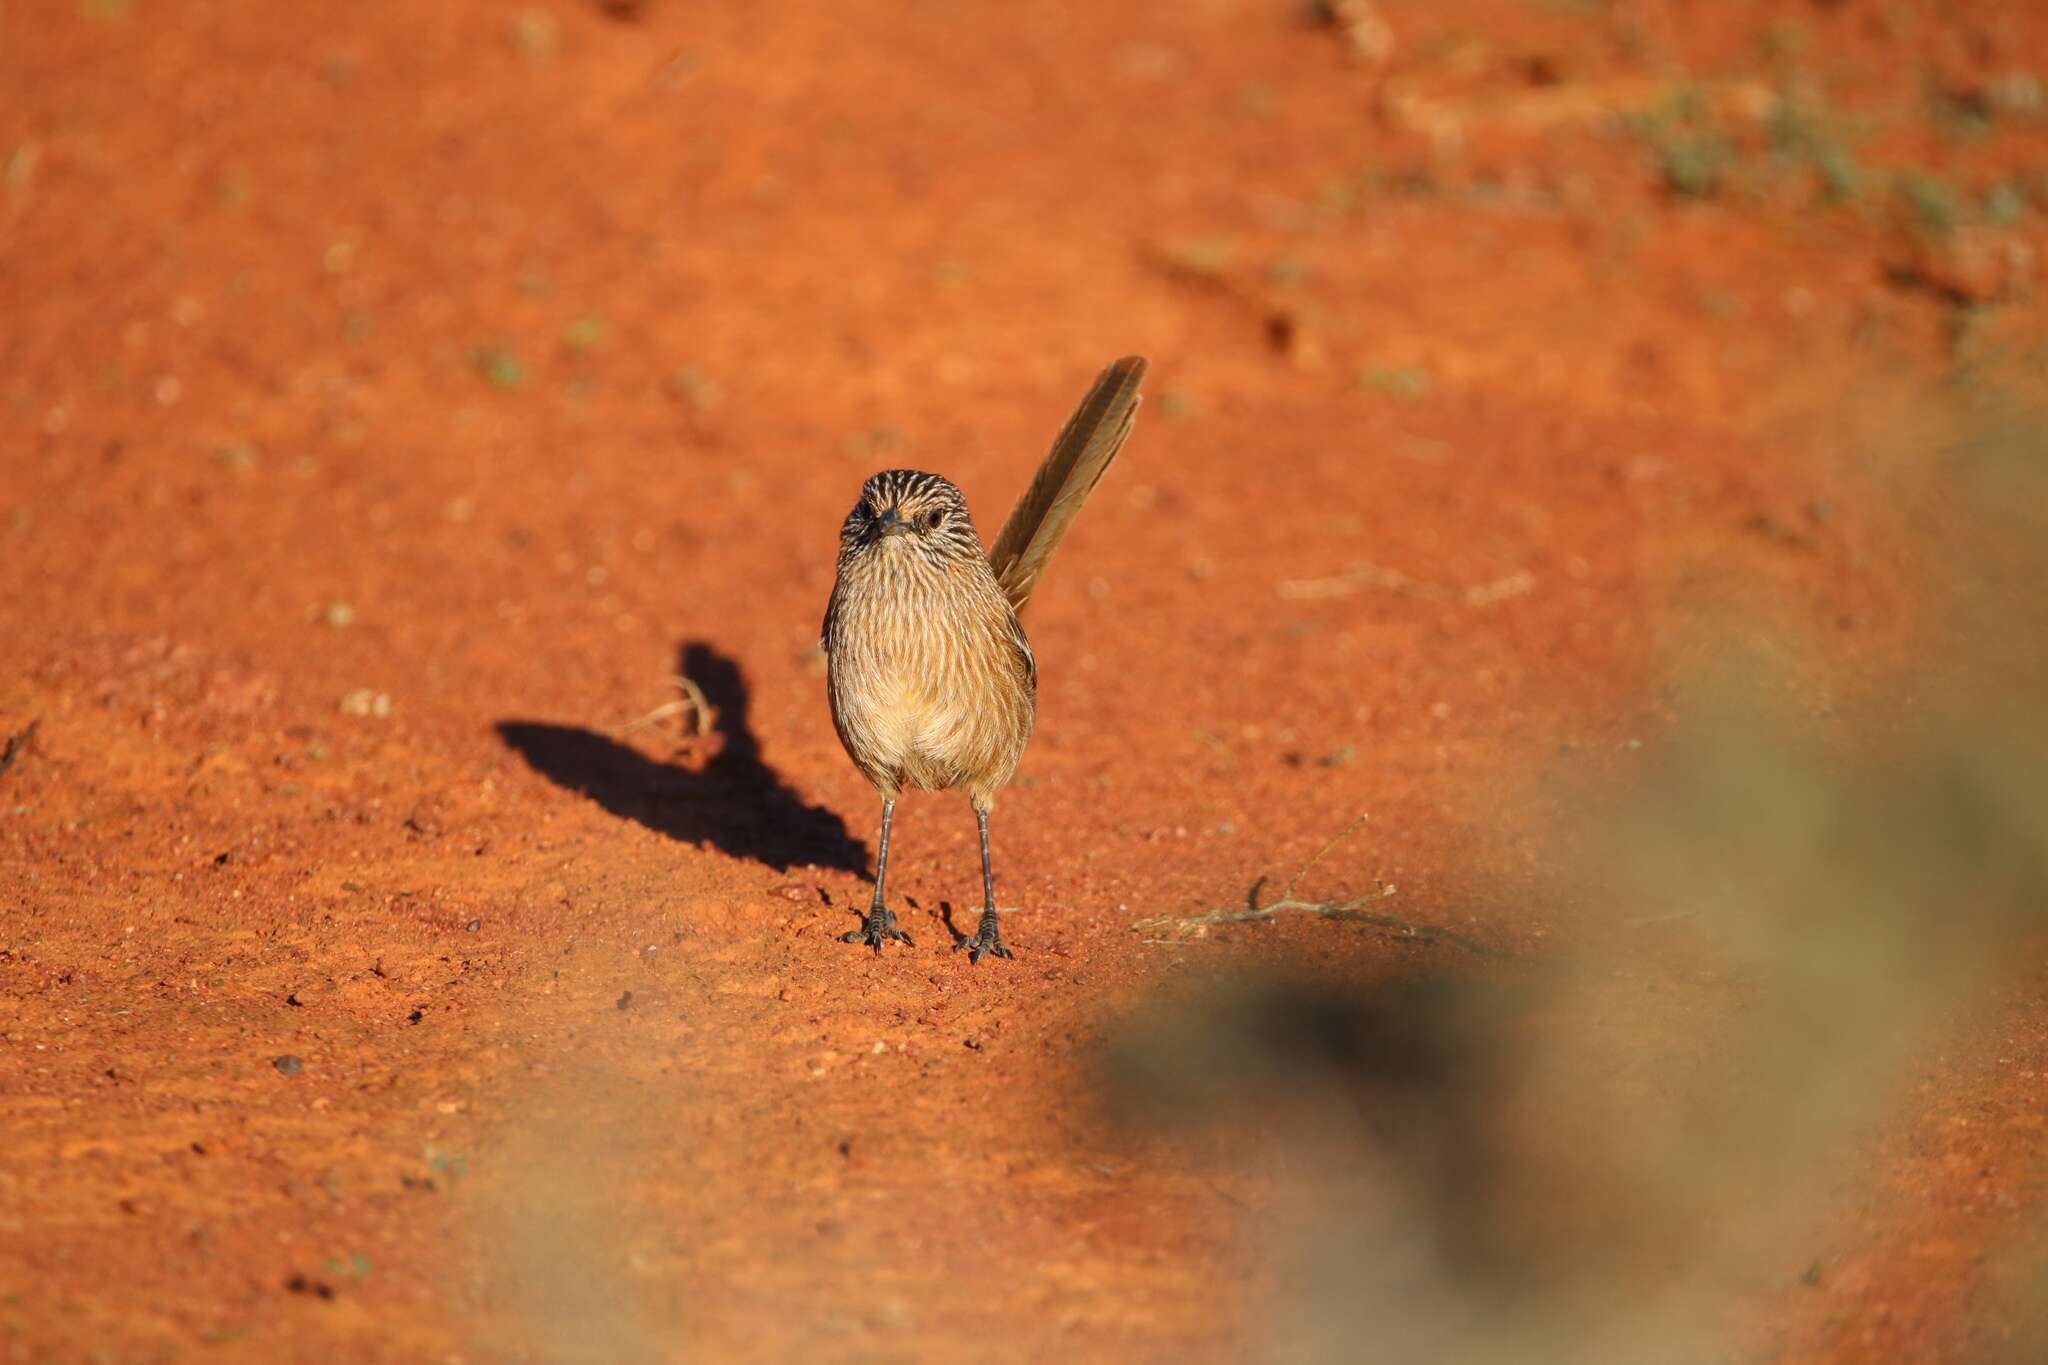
pixel 880 926
pixel 989 938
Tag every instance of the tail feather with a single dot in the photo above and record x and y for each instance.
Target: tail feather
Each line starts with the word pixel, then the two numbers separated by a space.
pixel 1086 445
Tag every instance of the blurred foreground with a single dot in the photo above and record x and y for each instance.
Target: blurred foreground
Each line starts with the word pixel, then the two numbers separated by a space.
pixel 1552 481
pixel 1598 1157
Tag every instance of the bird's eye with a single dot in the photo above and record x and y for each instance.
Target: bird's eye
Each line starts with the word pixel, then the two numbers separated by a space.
pixel 932 519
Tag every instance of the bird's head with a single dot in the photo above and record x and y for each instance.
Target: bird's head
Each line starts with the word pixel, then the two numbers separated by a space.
pixel 905 512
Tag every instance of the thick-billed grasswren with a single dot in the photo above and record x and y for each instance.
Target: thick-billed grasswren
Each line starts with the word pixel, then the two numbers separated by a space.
pixel 932 681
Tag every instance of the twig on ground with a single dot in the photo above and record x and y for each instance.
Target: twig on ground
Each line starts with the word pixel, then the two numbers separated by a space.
pixel 1339 837
pixel 1361 577
pixel 1350 910
pixel 17 744
pixel 692 700
pixel 1183 926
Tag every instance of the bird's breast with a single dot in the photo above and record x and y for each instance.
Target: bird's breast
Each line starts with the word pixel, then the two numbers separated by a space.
pixel 928 684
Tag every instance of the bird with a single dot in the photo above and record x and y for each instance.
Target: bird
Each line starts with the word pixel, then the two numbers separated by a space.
pixel 931 678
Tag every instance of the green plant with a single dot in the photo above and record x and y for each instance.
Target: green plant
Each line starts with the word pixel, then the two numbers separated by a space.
pixel 1930 203
pixel 1691 151
pixel 1802 133
pixel 586 334
pixel 499 366
pixel 2005 203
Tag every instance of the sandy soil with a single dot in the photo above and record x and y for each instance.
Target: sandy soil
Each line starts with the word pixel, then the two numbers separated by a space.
pixel 398 396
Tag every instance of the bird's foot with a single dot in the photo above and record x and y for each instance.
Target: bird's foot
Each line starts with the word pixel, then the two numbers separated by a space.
pixel 987 939
pixel 878 928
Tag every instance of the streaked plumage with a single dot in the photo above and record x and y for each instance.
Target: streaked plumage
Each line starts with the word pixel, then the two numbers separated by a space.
pixel 932 681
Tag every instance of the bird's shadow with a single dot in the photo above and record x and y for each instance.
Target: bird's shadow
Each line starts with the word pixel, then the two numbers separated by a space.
pixel 732 800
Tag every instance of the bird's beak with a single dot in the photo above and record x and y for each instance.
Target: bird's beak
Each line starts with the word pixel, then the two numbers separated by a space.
pixel 891 524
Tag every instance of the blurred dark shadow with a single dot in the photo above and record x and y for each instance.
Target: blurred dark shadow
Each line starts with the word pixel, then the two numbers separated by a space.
pixel 1412 1065
pixel 734 801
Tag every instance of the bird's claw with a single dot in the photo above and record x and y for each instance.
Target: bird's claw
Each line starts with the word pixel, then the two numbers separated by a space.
pixel 878 928
pixel 988 940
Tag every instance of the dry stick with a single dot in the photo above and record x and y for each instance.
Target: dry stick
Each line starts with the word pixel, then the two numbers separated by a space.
pixel 1363 576
pixel 1302 871
pixel 17 743
pixel 1339 910
pixel 693 698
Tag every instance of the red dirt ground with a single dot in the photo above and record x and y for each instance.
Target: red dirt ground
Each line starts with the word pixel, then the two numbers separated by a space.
pixel 486 367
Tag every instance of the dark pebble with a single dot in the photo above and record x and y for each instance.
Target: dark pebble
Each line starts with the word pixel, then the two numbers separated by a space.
pixel 473 926
pixel 300 1284
pixel 625 999
pixel 288 1064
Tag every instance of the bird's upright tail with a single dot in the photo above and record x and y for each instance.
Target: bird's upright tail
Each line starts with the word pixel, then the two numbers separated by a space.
pixel 1086 445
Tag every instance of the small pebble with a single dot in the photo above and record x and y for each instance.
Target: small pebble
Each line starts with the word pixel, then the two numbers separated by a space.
pixel 473 926
pixel 300 1284
pixel 288 1064
pixel 625 999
